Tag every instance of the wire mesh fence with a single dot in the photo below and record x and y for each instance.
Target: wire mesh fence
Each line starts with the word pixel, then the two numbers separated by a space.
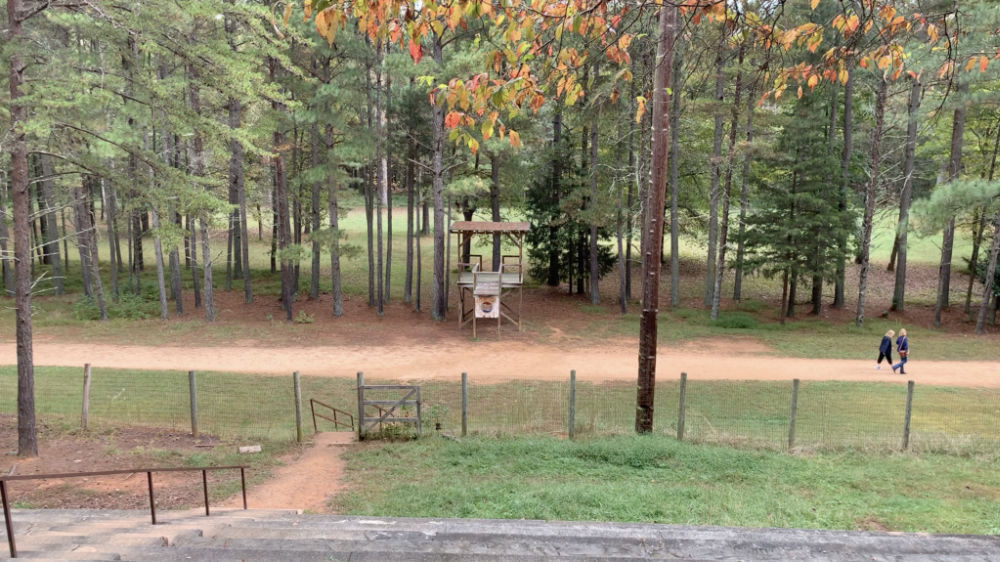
pixel 827 415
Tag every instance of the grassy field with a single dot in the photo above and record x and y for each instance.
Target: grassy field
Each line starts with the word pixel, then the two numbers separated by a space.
pixel 748 414
pixel 657 479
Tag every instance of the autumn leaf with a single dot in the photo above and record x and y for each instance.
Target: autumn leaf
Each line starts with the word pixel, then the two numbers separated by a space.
pixel 288 13
pixel 813 4
pixel 515 138
pixel 640 109
pixel 983 63
pixel 415 52
pixel 452 119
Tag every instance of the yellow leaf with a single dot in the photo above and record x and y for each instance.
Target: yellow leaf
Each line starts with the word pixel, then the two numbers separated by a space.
pixel 970 64
pixel 308 10
pixel 515 138
pixel 288 13
pixel 813 4
pixel 813 80
pixel 800 92
pixel 474 145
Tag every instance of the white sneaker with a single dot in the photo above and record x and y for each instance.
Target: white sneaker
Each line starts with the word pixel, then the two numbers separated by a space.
pixel 878 367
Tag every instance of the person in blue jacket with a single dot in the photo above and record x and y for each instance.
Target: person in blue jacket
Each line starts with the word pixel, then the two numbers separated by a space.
pixel 885 350
pixel 903 347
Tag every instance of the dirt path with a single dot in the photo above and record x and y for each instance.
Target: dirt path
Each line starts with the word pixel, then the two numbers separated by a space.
pixel 306 482
pixel 499 361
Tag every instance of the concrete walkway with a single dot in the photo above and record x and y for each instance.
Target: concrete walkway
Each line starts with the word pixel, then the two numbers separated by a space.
pixel 262 535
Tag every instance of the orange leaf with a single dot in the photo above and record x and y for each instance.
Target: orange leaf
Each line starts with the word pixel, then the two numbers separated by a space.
pixel 288 13
pixel 983 62
pixel 813 4
pixel 452 120
pixel 415 52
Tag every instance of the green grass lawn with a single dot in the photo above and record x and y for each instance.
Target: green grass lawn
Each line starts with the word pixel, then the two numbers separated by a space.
pixel 660 480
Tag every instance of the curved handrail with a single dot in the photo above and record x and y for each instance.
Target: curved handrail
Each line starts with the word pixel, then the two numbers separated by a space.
pixel 149 479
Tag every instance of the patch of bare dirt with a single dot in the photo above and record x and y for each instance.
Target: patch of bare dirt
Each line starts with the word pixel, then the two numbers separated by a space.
pixel 307 480
pixel 122 448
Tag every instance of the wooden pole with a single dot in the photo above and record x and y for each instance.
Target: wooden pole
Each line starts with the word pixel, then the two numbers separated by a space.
pixel 193 391
pixel 465 403
pixel 297 386
pixel 85 412
pixel 791 415
pixel 906 418
pixel 680 407
pixel 361 406
pixel 572 403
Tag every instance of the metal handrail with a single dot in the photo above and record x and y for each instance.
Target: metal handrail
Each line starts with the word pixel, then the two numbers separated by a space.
pixel 149 479
pixel 336 422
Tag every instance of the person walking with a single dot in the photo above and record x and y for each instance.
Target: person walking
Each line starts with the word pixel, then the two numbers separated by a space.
pixel 903 347
pixel 885 350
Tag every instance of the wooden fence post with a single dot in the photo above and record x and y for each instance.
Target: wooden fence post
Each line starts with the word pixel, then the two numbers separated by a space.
pixel 85 412
pixel 791 416
pixel 906 419
pixel 465 403
pixel 681 406
pixel 361 406
pixel 193 390
pixel 572 403
pixel 297 386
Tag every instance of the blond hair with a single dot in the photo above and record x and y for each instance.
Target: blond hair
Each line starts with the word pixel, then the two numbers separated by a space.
pixel 890 333
pixel 902 331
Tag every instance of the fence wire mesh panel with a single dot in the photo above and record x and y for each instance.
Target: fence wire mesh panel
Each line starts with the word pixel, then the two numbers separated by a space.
pixel 748 413
pixel 829 415
pixel 850 415
pixel 955 419
pixel 518 406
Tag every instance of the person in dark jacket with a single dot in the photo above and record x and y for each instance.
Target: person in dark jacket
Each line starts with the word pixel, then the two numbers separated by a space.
pixel 885 350
pixel 903 347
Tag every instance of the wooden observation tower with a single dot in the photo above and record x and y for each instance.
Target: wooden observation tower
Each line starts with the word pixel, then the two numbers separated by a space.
pixel 487 294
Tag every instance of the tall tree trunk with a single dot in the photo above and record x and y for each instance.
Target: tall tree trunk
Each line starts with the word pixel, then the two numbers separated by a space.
pixel 845 178
pixel 595 266
pixel 420 221
pixel 198 168
pixel 948 237
pixel 909 163
pixel 381 178
pixel 552 276
pixel 176 289
pixel 653 229
pixel 439 298
pixel 51 227
pixel 495 207
pixel 388 185
pixel 991 269
pixel 160 280
pixel 409 180
pixel 314 201
pixel 713 202
pixel 27 439
pixel 283 227
pixel 192 234
pixel 245 243
pixel 675 186
pixel 80 220
pixel 744 199
pixel 334 212
pixel 734 125
pixel 235 266
pixel 866 221
pixel 110 215
pixel 620 227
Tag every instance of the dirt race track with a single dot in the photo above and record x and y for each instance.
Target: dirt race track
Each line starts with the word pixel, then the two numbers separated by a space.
pixel 500 361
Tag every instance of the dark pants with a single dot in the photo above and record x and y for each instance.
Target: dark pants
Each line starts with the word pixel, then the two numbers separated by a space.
pixel 886 356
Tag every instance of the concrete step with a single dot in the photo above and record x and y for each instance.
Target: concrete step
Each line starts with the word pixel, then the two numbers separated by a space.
pixel 287 535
